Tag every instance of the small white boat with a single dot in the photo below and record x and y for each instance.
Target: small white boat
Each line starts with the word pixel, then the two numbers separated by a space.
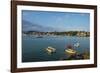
pixel 50 49
pixel 77 44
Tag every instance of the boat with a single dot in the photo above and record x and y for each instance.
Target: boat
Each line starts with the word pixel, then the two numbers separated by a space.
pixel 50 49
pixel 77 44
pixel 70 52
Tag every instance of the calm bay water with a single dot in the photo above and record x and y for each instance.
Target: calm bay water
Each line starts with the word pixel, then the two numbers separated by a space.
pixel 34 49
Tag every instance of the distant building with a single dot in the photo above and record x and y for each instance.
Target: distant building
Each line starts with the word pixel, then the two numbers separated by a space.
pixel 82 34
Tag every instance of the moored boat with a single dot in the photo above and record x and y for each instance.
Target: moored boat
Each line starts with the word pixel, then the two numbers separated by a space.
pixel 70 51
pixel 50 49
pixel 77 45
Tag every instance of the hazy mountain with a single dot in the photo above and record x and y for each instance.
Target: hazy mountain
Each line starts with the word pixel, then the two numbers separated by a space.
pixel 28 26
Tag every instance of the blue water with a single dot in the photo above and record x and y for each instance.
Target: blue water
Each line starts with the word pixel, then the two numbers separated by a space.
pixel 33 49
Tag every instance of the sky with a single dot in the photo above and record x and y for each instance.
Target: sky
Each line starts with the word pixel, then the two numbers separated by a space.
pixel 55 21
